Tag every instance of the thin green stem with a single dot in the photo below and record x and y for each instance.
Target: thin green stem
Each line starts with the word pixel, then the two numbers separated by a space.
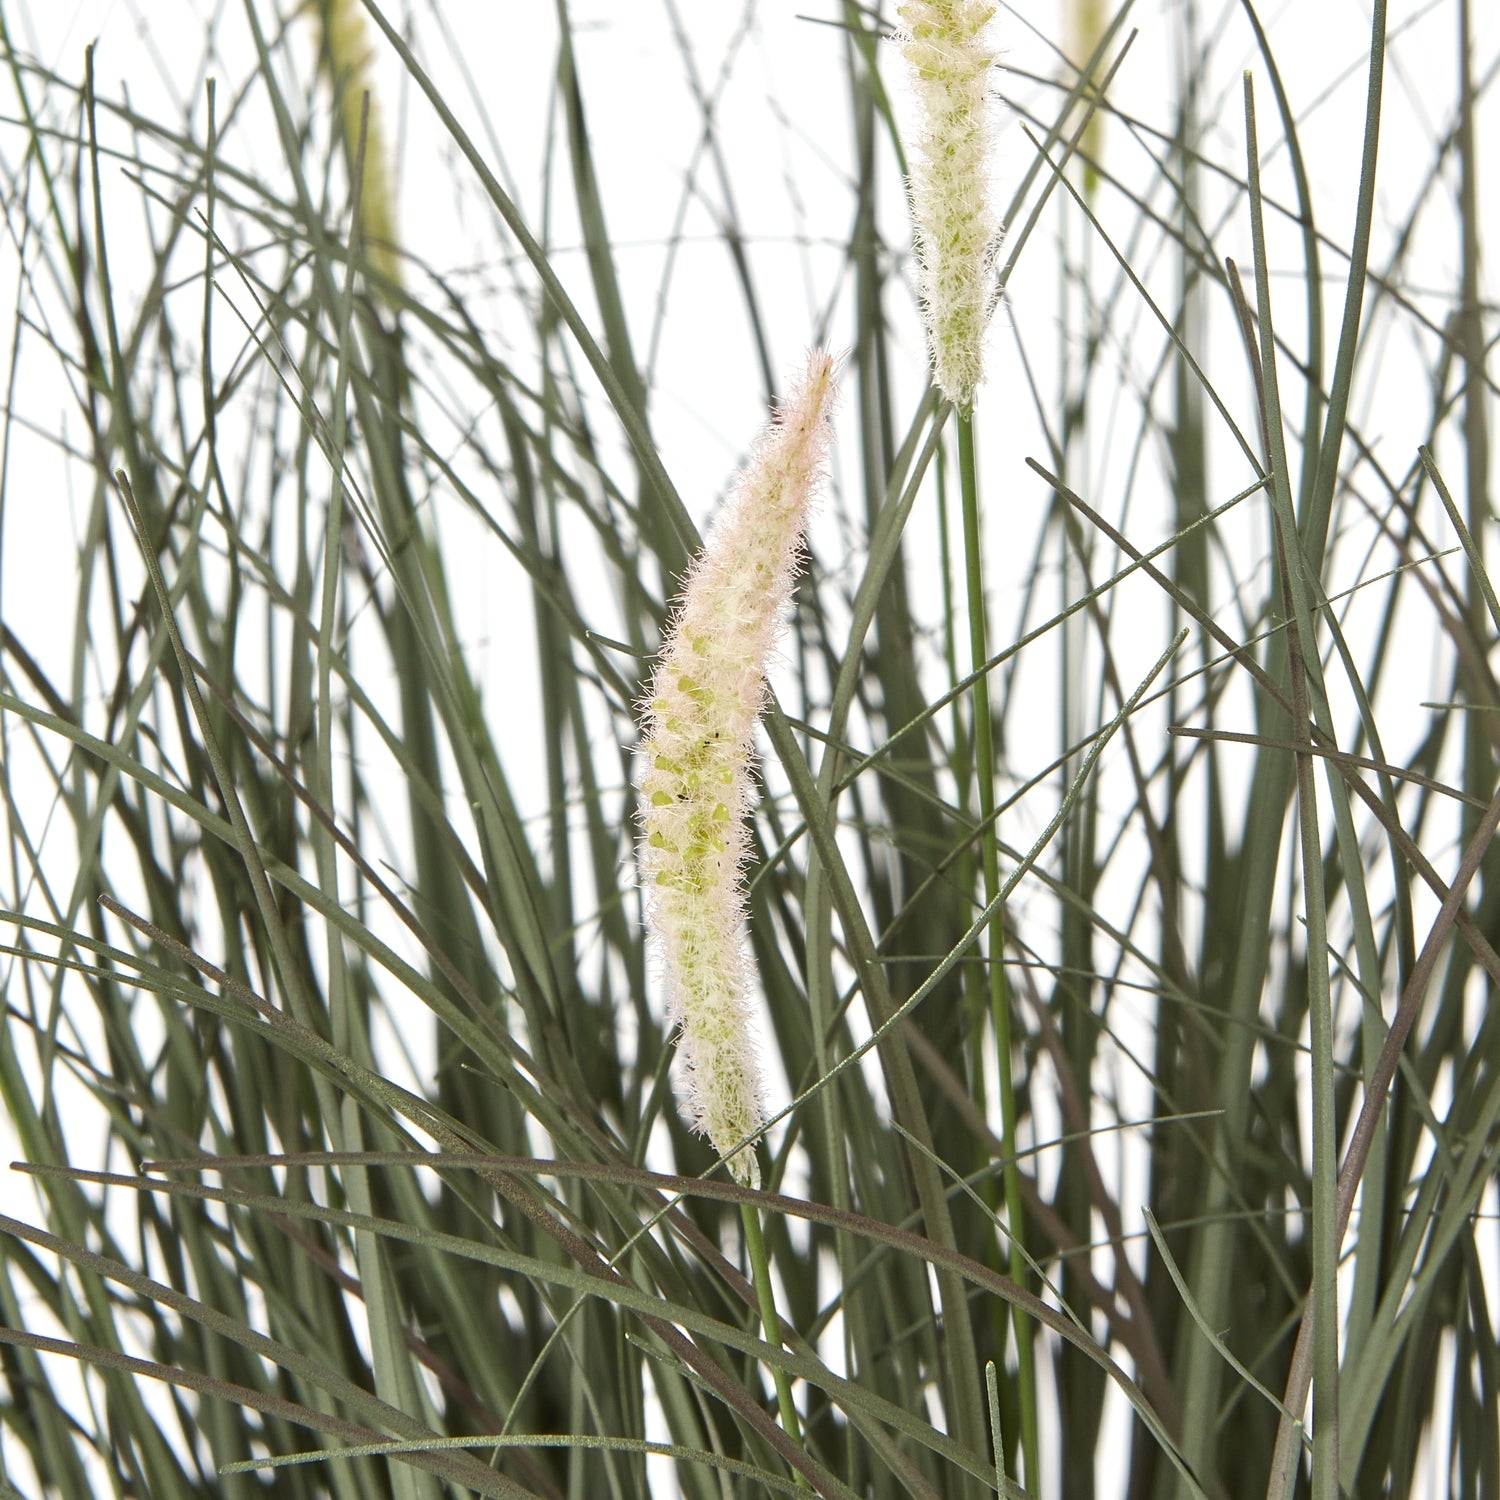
pixel 984 765
pixel 1303 660
pixel 760 1274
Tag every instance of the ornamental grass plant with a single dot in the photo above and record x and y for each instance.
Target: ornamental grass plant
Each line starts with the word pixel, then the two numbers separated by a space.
pixel 1105 898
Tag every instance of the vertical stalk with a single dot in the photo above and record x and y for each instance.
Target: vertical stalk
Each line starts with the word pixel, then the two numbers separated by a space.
pixel 765 1294
pixel 1478 762
pixel 1303 660
pixel 984 765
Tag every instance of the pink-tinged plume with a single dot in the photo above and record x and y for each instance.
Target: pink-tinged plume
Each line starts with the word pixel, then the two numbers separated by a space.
pixel 697 762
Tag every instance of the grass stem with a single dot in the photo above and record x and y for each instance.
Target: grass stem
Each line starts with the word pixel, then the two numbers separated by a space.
pixel 765 1293
pixel 984 761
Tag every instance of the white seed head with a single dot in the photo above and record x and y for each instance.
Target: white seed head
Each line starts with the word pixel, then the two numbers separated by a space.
pixel 696 762
pixel 949 58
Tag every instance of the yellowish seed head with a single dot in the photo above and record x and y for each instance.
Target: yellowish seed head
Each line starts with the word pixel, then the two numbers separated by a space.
pixel 347 55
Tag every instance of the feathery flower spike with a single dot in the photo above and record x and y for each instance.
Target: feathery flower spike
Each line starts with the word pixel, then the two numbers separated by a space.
pixel 948 56
pixel 696 760
pixel 348 56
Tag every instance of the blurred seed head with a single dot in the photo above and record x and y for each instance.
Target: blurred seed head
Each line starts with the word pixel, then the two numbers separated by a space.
pixel 346 54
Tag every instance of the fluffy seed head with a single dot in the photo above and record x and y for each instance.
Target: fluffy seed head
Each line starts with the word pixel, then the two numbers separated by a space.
pixel 696 761
pixel 347 55
pixel 1083 25
pixel 949 57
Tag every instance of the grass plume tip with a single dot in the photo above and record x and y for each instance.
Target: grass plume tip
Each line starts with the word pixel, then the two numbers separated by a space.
pixel 949 57
pixel 347 55
pixel 696 764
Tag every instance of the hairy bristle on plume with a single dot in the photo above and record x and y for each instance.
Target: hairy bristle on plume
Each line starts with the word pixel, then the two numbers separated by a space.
pixel 948 55
pixel 696 764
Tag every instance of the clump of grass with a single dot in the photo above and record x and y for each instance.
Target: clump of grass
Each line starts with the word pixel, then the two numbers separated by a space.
pixel 1120 882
